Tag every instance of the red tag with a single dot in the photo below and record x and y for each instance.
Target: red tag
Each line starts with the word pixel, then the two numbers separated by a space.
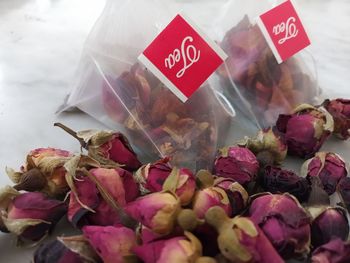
pixel 283 31
pixel 182 57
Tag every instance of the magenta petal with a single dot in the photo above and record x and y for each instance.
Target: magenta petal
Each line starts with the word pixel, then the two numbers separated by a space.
pixel 130 186
pixel 111 243
pixel 88 195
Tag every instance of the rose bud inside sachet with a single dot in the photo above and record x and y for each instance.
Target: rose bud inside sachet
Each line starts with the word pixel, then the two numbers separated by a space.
pixel 268 146
pixel 328 223
pixel 284 221
pixel 238 163
pixel 240 240
pixel 186 248
pixel 74 249
pixel 43 171
pixel 277 180
pixel 329 167
pixel 335 251
pixel 305 130
pixel 157 211
pixel 30 216
pixel 112 244
pixel 340 111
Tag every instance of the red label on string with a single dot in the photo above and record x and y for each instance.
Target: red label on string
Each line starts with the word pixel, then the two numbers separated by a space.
pixel 182 57
pixel 283 31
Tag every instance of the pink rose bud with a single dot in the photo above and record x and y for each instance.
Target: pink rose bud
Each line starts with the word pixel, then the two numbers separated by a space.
pixel 185 248
pixel 113 244
pixel 157 211
pixel 340 111
pixel 328 223
pixel 329 167
pixel 238 163
pixel 90 202
pixel 209 197
pixel 277 180
pixel 237 195
pixel 74 249
pixel 29 215
pixel 160 176
pixel 335 251
pixel 305 130
pixel 284 221
pixel 107 147
pixel 152 176
pixel 44 171
pixel 240 240
pixel 268 146
pixel 343 189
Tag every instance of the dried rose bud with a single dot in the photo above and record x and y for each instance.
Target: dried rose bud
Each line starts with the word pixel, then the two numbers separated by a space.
pixel 335 251
pixel 277 180
pixel 268 146
pixel 44 171
pixel 107 147
pixel 113 244
pixel 185 248
pixel 29 215
pixel 329 167
pixel 208 197
pixel 96 199
pixel 160 176
pixel 240 240
pixel 238 163
pixel 328 223
pixel 340 111
pixel 305 130
pixel 284 221
pixel 74 249
pixel 343 189
pixel 152 176
pixel 156 211
pixel 237 195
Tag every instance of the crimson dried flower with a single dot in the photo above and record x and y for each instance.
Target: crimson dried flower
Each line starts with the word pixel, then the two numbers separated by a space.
pixel 335 251
pixel 340 111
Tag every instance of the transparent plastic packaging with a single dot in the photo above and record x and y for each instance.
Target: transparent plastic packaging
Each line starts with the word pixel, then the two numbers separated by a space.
pixel 113 87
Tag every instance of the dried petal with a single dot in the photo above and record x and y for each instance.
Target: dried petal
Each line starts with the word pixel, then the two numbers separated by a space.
pixel 340 111
pixel 335 251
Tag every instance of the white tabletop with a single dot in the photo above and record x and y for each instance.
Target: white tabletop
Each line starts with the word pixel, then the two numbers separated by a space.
pixel 40 46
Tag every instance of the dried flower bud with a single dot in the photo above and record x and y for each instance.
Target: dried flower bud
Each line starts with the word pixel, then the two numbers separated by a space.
pixel 107 147
pixel 238 163
pixel 343 189
pixel 44 171
pixel 305 130
pixel 160 176
pixel 240 240
pixel 113 244
pixel 208 197
pixel 335 251
pixel 185 248
pixel 340 111
pixel 237 195
pixel 157 211
pixel 329 167
pixel 328 223
pixel 268 146
pixel 277 180
pixel 29 215
pixel 74 249
pixel 284 221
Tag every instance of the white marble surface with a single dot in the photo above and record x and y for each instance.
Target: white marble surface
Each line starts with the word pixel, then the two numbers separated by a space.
pixel 40 46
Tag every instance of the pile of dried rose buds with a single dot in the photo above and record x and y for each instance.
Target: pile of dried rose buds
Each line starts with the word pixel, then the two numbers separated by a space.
pixel 247 209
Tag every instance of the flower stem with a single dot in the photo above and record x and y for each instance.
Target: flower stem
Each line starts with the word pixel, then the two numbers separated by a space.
pixel 72 133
